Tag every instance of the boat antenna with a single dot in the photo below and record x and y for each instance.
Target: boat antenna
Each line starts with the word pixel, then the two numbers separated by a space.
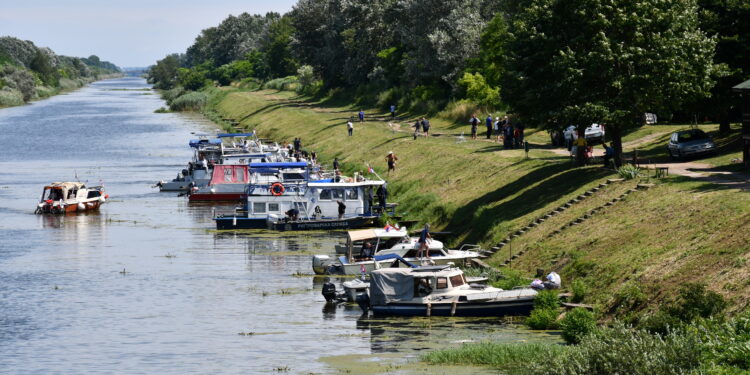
pixel 75 173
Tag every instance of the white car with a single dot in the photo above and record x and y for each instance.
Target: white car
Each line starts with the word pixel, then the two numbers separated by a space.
pixel 594 133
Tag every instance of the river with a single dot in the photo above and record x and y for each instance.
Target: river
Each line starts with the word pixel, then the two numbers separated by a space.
pixel 145 286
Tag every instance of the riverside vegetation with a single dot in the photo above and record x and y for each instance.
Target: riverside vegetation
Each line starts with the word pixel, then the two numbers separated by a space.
pixel 29 72
pixel 637 261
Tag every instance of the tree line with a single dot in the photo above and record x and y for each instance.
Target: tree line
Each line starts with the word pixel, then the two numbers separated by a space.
pixel 28 71
pixel 551 62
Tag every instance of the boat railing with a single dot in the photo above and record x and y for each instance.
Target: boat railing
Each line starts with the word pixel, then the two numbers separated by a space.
pixel 469 247
pixel 237 211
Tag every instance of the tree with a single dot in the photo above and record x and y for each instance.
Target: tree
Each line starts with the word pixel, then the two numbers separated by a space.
pixel 571 61
pixel 42 65
pixel 164 74
pixel 277 48
pixel 727 21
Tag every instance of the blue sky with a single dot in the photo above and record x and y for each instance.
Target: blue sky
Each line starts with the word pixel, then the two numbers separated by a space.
pixel 127 33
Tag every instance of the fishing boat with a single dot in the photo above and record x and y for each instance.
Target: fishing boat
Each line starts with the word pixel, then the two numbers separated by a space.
pixel 65 197
pixel 440 291
pixel 314 202
pixel 388 245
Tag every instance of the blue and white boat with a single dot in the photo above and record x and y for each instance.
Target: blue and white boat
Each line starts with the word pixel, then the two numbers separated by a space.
pixel 315 200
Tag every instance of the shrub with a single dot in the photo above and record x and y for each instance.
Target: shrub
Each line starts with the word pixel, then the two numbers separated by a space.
pixel 282 84
pixel 629 171
pixel 547 299
pixel 542 318
pixel 478 91
pixel 694 301
pixel 659 322
pixel 190 101
pixel 510 279
pixel 10 97
pixel 579 289
pixel 172 94
pixel 576 324
pixel 460 111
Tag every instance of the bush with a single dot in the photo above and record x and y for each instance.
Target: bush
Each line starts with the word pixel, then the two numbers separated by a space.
pixel 478 91
pixel 282 84
pixel 510 279
pixel 190 101
pixel 629 171
pixel 660 322
pixel 172 94
pixel 460 111
pixel 10 97
pixel 547 299
pixel 694 301
pixel 543 319
pixel 576 324
pixel 579 289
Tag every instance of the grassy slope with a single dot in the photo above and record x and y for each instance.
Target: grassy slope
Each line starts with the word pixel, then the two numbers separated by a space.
pixel 634 254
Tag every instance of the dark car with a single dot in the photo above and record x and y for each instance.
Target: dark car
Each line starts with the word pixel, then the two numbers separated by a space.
pixel 693 142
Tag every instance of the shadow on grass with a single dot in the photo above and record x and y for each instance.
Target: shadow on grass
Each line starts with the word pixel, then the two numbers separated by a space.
pixel 540 187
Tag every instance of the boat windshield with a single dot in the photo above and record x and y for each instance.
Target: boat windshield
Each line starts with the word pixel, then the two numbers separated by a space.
pixel 54 194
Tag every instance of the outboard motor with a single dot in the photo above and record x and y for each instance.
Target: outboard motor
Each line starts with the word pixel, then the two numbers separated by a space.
pixel 329 291
pixel 363 301
pixel 320 263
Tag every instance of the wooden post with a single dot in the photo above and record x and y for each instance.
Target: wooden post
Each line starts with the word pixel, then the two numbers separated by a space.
pixel 429 309
pixel 453 308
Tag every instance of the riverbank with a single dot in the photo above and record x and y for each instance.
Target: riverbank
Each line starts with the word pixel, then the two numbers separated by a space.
pixel 66 86
pixel 630 245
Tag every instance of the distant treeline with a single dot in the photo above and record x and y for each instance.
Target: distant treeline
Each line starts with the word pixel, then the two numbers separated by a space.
pixel 553 62
pixel 28 72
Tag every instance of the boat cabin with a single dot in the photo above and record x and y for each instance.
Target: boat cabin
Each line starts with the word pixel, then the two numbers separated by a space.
pixel 400 284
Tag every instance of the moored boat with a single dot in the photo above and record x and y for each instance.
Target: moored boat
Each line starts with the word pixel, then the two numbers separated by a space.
pixel 441 291
pixel 67 197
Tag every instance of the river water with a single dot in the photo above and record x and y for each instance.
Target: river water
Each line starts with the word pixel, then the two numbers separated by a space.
pixel 145 286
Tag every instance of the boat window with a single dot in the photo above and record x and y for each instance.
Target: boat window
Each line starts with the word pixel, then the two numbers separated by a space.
pixel 259 207
pixel 240 175
pixel 457 280
pixel 337 193
pixel 273 207
pixel 325 194
pixel 442 282
pixel 422 286
pixel 228 174
pixel 293 177
pixel 93 194
pixel 352 194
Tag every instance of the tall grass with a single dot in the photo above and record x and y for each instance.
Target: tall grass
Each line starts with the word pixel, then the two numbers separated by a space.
pixel 462 110
pixel 190 101
pixel 289 83
pixel 511 357
pixel 10 97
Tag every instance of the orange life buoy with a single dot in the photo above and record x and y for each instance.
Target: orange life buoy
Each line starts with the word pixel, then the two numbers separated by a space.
pixel 277 189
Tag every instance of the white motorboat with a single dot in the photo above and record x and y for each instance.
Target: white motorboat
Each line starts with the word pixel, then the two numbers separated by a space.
pixel 391 247
pixel 66 197
pixel 441 291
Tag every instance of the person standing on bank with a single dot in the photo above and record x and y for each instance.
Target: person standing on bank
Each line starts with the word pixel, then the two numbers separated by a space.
pixel 335 164
pixel 350 128
pixel 488 125
pixel 391 160
pixel 417 125
pixel 393 112
pixel 474 123
pixel 361 115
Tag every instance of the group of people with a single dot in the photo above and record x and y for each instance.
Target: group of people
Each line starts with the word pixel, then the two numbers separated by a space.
pixel 510 132
pixel 422 124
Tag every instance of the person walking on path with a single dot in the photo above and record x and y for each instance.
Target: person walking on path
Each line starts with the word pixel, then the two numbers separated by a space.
pixel 393 112
pixel 361 115
pixel 391 160
pixel 417 125
pixel 424 238
pixel 488 125
pixel 426 127
pixel 350 128
pixel 474 123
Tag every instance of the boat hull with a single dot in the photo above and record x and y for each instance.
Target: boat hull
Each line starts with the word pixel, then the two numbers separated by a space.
pixel 323 224
pixel 356 268
pixel 217 197
pixel 238 222
pixel 513 307
pixel 71 208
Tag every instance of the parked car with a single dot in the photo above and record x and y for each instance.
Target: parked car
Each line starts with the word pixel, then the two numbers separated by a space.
pixel 594 133
pixel 693 142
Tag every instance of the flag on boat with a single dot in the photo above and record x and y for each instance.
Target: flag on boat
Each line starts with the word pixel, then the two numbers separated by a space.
pixel 388 227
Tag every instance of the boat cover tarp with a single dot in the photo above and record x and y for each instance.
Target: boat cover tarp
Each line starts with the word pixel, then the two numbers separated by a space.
pixel 197 142
pixel 229 174
pixel 391 284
